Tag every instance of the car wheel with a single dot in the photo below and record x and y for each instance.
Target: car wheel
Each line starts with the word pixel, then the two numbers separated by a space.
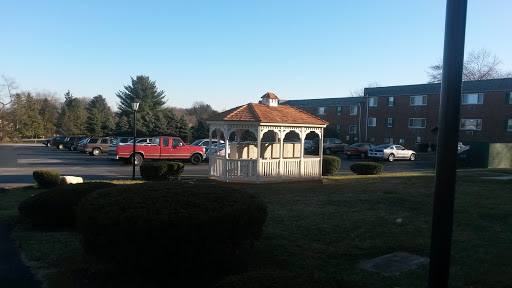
pixel 391 157
pixel 195 159
pixel 96 151
pixel 138 159
pixel 363 156
pixel 327 151
pixel 70 148
pixel 60 146
pixel 412 157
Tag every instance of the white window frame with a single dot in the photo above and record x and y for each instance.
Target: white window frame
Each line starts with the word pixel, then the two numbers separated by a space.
pixel 372 101
pixel 386 140
pixel 372 121
pixel 401 141
pixel 353 110
pixel 478 124
pixel 338 128
pixel 509 126
pixel 352 129
pixel 389 122
pixel 321 110
pixel 391 101
pixel 509 98
pixel 422 124
pixel 479 99
pixel 423 100
pixel 338 110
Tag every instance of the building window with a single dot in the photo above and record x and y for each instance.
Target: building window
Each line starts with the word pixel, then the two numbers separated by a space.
pixel 352 129
pixel 509 125
pixel 338 128
pixel 474 98
pixel 353 110
pixel 338 110
pixel 372 139
pixel 417 122
pixel 321 111
pixel 418 100
pixel 509 98
pixel 372 101
pixel 386 140
pixel 372 121
pixel 391 101
pixel 389 122
pixel 401 141
pixel 471 124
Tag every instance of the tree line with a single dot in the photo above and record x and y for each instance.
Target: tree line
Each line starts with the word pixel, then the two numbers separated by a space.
pixel 42 115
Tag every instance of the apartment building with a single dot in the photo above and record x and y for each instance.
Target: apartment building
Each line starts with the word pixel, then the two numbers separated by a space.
pixel 409 114
pixel 345 115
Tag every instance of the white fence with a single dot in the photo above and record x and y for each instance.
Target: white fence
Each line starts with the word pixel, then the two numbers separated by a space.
pixel 270 169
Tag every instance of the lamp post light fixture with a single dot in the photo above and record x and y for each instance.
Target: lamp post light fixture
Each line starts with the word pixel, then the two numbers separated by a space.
pixel 135 107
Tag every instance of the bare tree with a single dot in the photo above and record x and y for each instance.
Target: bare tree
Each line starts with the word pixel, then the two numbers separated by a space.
pixel 478 65
pixel 360 92
pixel 7 91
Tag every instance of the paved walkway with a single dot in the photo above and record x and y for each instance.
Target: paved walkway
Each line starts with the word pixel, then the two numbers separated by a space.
pixel 13 272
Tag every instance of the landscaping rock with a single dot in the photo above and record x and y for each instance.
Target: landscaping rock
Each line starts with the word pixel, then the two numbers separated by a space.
pixel 71 180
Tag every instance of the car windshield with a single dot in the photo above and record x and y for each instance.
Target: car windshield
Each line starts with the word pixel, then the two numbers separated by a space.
pixel 196 143
pixel 383 146
pixel 356 145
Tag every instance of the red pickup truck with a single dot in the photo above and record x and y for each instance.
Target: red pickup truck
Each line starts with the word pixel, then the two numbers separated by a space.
pixel 162 147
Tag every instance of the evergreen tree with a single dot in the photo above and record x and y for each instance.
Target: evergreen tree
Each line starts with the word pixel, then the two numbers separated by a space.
pixel 201 130
pixel 183 129
pixel 145 91
pixel 72 117
pixel 17 112
pixel 33 123
pixel 48 113
pixel 123 127
pixel 100 121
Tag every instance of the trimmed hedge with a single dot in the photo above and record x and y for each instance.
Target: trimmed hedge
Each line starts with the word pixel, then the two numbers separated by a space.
pixel 198 231
pixel 366 168
pixel 46 179
pixel 330 165
pixel 55 208
pixel 161 170
pixel 276 279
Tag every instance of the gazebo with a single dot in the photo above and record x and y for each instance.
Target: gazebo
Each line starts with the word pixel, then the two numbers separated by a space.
pixel 275 151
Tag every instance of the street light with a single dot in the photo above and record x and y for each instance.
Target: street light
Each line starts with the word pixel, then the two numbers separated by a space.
pixel 135 107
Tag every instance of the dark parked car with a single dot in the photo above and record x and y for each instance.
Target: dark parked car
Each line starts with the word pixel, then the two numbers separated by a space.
pixel 358 149
pixel 72 141
pixel 98 145
pixel 47 142
pixel 58 141
pixel 331 145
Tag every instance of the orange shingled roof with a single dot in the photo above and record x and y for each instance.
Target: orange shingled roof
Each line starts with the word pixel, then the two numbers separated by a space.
pixel 266 114
pixel 270 95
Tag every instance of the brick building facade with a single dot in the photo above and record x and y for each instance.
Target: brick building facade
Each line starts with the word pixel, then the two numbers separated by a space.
pixel 409 114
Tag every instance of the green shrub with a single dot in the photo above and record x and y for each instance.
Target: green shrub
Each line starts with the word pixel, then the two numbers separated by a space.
pixel 46 179
pixel 276 279
pixel 330 165
pixel 366 168
pixel 198 230
pixel 55 207
pixel 161 171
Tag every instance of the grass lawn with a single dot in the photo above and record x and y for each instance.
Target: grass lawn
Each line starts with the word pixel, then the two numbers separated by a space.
pixel 326 229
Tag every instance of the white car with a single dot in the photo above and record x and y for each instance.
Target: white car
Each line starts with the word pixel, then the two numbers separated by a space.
pixel 391 152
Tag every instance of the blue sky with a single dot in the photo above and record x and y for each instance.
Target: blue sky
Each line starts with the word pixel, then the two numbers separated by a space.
pixel 229 53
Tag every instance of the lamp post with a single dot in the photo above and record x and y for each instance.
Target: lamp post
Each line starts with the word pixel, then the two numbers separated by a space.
pixel 135 107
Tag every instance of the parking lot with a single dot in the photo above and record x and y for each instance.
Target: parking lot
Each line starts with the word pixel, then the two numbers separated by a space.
pixel 20 160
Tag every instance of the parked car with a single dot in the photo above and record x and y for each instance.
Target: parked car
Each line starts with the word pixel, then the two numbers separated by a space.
pixel 205 143
pixel 47 142
pixel 391 152
pixel 80 146
pixel 331 145
pixel 216 150
pixel 358 149
pixel 58 141
pixel 98 145
pixel 71 141
pixel 308 146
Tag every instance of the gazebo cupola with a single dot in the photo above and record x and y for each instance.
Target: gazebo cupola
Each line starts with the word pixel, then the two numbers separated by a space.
pixel 270 99
pixel 264 142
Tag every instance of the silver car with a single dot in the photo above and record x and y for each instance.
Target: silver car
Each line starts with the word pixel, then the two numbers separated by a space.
pixel 391 152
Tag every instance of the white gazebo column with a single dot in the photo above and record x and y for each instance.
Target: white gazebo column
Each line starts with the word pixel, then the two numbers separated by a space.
pixel 321 149
pixel 281 148
pixel 238 137
pixel 210 162
pixel 226 143
pixel 258 155
pixel 301 163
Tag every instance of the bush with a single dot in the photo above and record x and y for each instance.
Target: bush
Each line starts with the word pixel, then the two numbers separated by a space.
pixel 161 171
pixel 366 168
pixel 275 279
pixel 330 165
pixel 46 179
pixel 55 208
pixel 198 230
